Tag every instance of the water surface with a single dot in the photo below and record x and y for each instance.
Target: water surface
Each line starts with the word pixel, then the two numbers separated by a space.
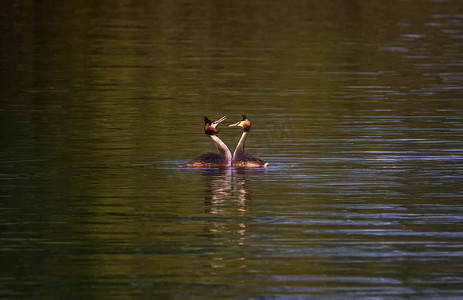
pixel 356 106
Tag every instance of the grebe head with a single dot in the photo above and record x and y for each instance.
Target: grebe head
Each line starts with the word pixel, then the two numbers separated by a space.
pixel 210 127
pixel 245 124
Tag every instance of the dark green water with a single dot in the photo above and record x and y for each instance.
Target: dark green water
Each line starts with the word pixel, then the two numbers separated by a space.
pixel 357 106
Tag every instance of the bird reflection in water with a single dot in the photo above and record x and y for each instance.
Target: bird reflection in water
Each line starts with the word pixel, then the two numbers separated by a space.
pixel 228 201
pixel 227 193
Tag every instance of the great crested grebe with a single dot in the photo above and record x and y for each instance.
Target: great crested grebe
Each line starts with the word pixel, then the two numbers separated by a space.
pixel 212 160
pixel 240 158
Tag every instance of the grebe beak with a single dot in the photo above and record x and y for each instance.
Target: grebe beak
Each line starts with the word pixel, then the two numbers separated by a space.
pixel 219 120
pixel 236 124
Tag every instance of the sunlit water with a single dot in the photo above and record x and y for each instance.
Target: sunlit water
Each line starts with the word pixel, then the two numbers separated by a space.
pixel 356 107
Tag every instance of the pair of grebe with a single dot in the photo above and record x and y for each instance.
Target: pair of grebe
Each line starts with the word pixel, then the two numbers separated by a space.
pixel 224 158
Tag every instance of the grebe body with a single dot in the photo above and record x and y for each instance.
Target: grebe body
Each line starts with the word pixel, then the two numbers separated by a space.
pixel 240 158
pixel 212 160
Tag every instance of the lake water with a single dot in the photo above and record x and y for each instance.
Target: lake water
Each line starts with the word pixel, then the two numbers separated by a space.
pixel 356 105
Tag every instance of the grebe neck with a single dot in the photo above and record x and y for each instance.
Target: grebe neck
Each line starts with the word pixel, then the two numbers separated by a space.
pixel 221 147
pixel 240 147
